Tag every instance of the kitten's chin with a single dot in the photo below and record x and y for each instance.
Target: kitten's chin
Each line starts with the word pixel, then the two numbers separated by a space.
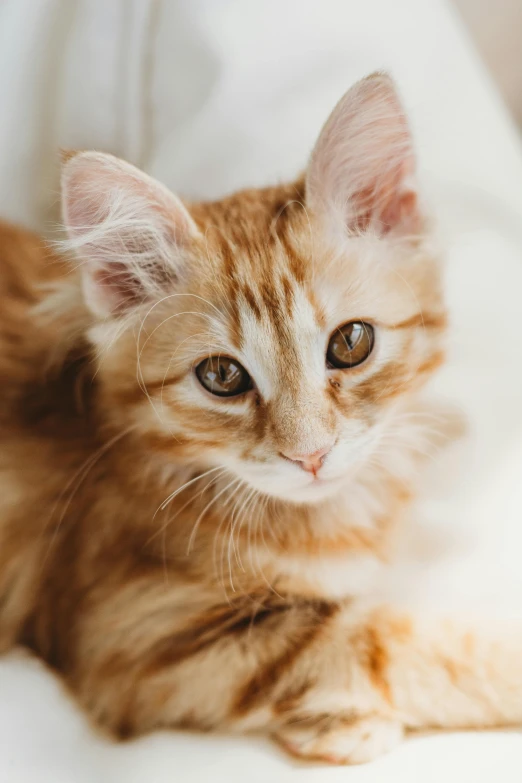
pixel 315 491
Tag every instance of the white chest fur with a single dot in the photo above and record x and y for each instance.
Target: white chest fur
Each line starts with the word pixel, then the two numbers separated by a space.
pixel 331 576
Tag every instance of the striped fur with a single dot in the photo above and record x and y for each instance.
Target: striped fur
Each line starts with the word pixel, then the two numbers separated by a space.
pixel 155 548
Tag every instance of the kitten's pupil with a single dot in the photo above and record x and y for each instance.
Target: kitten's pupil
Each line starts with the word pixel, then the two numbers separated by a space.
pixel 348 333
pixel 223 376
pixel 350 345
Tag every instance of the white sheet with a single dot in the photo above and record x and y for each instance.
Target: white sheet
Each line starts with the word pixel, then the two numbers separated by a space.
pixel 209 95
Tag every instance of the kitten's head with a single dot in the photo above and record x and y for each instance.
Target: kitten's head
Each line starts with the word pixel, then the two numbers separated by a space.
pixel 275 332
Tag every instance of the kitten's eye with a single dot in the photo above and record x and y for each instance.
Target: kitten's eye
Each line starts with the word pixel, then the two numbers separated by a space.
pixel 223 376
pixel 350 344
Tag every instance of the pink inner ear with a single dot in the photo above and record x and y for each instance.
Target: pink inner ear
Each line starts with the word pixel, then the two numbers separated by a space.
pixel 361 170
pixel 130 232
pixel 386 206
pixel 113 288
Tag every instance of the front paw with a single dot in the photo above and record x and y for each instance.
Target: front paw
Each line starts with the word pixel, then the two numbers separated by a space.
pixel 340 739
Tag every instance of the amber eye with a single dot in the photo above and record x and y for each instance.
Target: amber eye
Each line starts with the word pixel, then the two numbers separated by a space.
pixel 350 344
pixel 223 376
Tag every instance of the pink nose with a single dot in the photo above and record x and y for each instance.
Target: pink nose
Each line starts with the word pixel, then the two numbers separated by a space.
pixel 309 462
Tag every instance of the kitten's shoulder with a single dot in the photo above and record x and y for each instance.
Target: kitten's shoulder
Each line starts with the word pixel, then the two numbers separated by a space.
pixel 25 262
pixel 28 341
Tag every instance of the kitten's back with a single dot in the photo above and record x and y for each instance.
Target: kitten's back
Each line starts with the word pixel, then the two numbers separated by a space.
pixel 25 266
pixel 42 432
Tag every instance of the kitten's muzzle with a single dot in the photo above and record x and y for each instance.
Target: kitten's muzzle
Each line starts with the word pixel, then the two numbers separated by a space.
pixel 311 463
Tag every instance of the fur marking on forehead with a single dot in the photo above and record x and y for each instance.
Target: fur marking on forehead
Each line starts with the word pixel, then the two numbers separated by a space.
pixel 284 345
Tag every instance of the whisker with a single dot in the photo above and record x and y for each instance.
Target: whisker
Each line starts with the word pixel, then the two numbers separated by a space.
pixel 217 536
pixel 235 522
pixel 194 498
pixel 174 494
pixel 200 517
pixel 191 499
pixel 165 375
pixel 262 517
pixel 79 477
pixel 141 347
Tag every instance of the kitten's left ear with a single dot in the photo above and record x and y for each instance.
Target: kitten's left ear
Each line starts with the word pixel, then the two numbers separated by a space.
pixel 131 233
pixel 361 172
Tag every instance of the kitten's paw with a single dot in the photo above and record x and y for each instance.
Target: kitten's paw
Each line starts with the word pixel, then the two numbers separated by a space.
pixel 340 740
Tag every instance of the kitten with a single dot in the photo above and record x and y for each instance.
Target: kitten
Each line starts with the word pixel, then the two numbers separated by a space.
pixel 211 430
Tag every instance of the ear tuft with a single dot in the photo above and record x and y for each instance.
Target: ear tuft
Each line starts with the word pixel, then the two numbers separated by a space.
pixel 361 172
pixel 67 154
pixel 130 232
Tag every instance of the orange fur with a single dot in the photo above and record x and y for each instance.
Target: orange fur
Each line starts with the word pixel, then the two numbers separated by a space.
pixel 155 547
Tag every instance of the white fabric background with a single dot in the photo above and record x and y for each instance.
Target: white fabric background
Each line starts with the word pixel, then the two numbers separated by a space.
pixel 210 95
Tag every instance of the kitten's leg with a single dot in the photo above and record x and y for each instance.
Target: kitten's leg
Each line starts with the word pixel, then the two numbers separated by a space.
pixel 431 673
pixel 329 681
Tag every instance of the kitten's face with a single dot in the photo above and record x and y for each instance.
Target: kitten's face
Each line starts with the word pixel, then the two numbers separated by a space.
pixel 282 347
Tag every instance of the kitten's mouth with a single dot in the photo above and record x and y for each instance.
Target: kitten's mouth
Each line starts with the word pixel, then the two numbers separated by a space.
pixel 318 479
pixel 319 488
pixel 300 487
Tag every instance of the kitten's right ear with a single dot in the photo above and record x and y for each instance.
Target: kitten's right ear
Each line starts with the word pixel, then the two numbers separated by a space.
pixel 362 171
pixel 129 231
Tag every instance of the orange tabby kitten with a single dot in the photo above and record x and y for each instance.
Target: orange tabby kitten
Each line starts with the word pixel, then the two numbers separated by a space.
pixel 211 427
